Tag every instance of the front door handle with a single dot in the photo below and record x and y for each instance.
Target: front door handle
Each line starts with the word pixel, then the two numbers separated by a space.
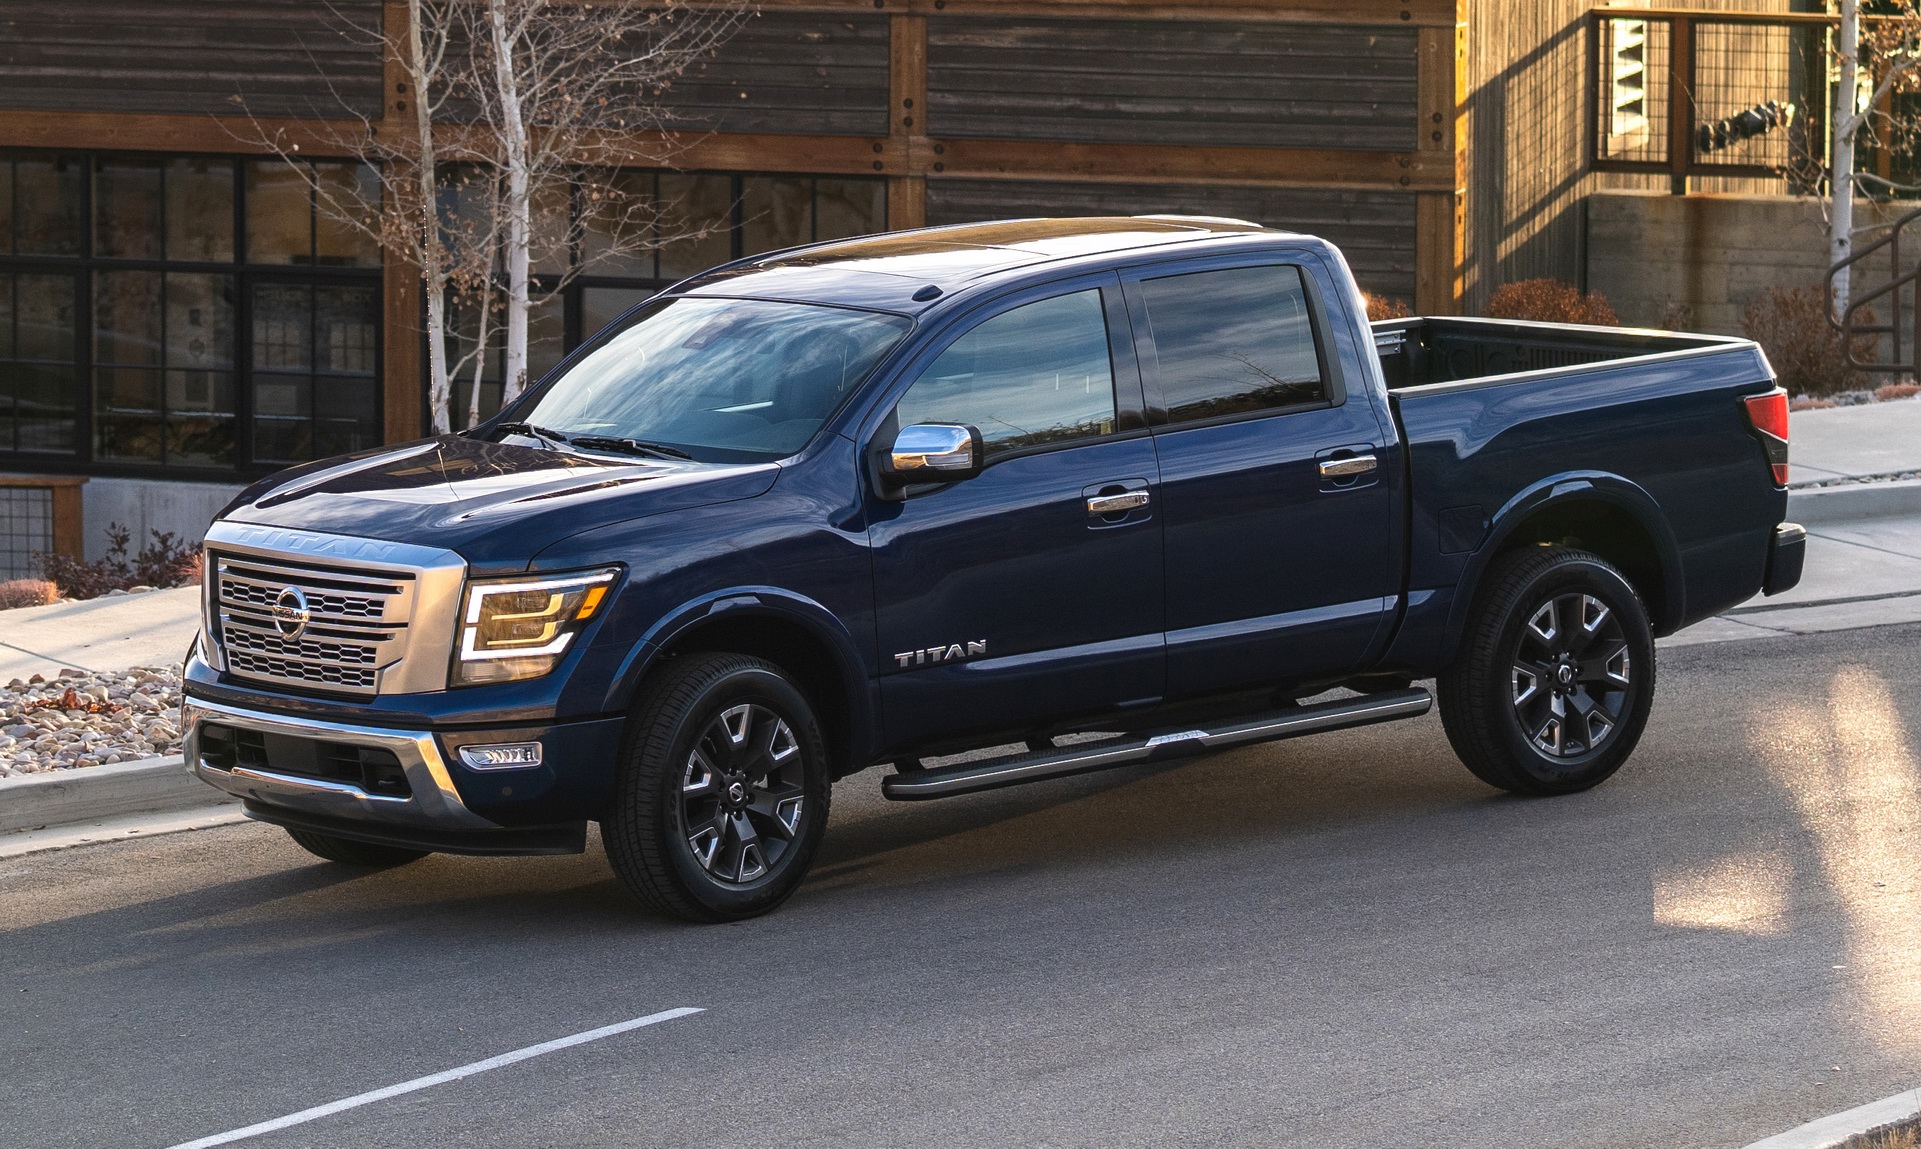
pixel 1351 467
pixel 1116 504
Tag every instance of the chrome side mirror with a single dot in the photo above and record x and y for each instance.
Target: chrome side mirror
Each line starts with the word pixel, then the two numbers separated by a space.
pixel 934 453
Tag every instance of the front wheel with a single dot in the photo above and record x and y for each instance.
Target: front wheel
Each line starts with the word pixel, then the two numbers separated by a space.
pixel 723 790
pixel 1555 677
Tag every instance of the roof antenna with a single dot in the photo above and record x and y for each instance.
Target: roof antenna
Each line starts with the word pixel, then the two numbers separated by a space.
pixel 927 293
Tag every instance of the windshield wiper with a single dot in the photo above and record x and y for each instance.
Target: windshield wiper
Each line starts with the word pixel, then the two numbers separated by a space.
pixel 628 446
pixel 531 431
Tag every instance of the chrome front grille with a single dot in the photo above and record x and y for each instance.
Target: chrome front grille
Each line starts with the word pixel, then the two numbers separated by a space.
pixel 356 622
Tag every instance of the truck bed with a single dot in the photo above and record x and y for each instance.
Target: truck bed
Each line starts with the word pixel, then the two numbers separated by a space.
pixel 1497 414
pixel 1422 352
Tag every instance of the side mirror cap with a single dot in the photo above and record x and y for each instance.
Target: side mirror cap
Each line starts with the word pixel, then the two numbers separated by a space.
pixel 934 453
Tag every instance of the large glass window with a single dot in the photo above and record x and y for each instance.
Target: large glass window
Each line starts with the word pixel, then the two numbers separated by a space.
pixel 1040 373
pixel 648 229
pixel 184 311
pixel 1233 342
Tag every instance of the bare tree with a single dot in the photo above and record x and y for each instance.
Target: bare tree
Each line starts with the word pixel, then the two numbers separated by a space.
pixel 1893 43
pixel 402 208
pixel 565 92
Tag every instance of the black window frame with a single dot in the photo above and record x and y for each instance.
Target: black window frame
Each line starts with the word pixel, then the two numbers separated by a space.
pixel 86 264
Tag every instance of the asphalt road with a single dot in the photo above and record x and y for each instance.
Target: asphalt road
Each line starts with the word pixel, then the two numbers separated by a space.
pixel 1339 941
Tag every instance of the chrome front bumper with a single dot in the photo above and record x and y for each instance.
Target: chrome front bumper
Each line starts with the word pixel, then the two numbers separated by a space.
pixel 434 803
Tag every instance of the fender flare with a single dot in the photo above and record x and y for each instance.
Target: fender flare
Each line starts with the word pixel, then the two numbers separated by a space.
pixel 768 602
pixel 1561 490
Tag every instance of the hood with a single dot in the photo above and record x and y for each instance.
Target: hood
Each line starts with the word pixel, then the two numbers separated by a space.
pixel 497 504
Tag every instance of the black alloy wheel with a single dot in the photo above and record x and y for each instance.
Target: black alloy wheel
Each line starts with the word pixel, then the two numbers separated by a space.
pixel 742 794
pixel 723 789
pixel 1554 679
pixel 1572 675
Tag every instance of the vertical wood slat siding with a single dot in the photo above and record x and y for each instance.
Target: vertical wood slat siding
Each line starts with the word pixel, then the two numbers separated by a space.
pixel 796 73
pixel 282 57
pixel 1375 230
pixel 1147 81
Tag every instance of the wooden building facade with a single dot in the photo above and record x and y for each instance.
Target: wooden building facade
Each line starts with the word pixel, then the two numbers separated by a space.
pixel 170 304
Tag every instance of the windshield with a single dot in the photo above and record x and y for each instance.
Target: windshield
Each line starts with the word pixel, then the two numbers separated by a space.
pixel 723 380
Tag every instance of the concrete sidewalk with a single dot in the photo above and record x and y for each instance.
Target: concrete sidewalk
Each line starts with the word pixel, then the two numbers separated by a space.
pixel 102 634
pixel 1848 442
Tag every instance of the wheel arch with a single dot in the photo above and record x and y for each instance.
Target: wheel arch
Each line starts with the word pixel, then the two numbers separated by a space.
pixel 1602 513
pixel 791 631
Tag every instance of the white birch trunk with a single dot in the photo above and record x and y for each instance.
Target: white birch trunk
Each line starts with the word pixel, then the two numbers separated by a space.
pixel 1847 123
pixel 433 272
pixel 517 204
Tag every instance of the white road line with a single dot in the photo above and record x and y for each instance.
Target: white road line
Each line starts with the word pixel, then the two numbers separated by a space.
pixel 441 1078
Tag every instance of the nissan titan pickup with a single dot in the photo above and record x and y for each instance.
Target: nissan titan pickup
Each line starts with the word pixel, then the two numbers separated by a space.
pixel 986 505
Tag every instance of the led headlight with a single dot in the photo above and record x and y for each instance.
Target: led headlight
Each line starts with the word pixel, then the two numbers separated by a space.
pixel 520 627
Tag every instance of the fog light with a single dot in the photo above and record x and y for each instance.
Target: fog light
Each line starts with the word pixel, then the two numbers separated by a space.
pixel 501 756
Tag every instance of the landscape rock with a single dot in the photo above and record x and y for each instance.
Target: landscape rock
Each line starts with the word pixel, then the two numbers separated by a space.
pixel 113 716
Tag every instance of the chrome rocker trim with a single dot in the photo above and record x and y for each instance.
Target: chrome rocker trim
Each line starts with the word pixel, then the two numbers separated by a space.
pixel 434 804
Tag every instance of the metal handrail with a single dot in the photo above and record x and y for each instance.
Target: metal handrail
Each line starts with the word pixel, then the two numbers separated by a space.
pixel 1897 281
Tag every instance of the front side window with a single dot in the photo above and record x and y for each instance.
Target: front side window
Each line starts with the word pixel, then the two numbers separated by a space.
pixel 1038 374
pixel 720 379
pixel 1233 342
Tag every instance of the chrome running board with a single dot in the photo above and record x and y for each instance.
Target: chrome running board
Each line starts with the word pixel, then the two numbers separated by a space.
pixel 1155 746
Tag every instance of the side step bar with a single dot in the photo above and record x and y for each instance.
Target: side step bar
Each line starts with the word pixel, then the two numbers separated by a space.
pixel 969 777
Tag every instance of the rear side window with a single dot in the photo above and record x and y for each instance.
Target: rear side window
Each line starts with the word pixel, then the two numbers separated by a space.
pixel 1232 342
pixel 1038 374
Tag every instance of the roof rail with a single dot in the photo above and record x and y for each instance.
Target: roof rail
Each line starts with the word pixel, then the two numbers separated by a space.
pixel 1174 217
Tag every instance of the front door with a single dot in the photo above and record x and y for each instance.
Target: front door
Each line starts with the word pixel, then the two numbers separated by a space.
pixel 1004 601
pixel 1279 530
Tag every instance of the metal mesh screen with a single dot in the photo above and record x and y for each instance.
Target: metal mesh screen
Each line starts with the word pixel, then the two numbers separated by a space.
pixel 26 530
pixel 1738 70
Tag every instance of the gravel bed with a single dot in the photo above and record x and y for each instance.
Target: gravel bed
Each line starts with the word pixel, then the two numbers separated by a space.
pixel 79 718
pixel 1856 480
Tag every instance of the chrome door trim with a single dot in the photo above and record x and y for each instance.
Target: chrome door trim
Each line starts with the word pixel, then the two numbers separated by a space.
pixel 1117 504
pixel 1349 467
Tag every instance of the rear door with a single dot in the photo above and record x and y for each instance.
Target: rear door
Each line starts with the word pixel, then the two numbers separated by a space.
pixel 1004 600
pixel 1279 544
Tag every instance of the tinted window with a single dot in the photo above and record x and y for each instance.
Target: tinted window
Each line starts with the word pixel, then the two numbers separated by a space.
pixel 1233 341
pixel 1040 373
pixel 722 379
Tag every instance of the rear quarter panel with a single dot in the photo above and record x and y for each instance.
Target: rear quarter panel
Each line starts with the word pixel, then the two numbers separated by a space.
pixel 1664 437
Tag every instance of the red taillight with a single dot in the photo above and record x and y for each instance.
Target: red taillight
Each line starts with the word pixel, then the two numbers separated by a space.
pixel 1769 414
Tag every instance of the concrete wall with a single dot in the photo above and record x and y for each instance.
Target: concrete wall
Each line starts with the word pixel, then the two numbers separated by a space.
pixel 150 504
pixel 1714 254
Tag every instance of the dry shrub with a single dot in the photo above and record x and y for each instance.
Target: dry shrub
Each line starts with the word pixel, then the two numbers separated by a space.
pixel 1809 357
pixel 1889 391
pixel 163 562
pixel 1381 307
pixel 27 592
pixel 1550 301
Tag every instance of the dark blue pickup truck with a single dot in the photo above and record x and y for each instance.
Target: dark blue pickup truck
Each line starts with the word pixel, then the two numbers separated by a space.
pixel 991 504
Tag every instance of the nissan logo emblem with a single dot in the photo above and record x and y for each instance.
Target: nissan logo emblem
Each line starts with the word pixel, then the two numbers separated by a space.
pixel 290 613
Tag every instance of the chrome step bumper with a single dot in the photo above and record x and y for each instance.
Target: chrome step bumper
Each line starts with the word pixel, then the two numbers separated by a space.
pixel 433 803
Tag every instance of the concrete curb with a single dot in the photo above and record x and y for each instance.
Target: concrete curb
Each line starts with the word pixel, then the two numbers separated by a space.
pixel 1811 506
pixel 1835 1129
pixel 95 793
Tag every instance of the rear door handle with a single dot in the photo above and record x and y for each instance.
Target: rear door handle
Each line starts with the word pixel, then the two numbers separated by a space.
pixel 1116 504
pixel 1351 467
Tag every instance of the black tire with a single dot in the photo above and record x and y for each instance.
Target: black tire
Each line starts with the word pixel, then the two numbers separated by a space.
pixel 698 781
pixel 348 852
pixel 1538 701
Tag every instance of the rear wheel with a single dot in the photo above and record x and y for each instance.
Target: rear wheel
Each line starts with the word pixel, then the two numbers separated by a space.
pixel 1555 677
pixel 348 852
pixel 723 790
